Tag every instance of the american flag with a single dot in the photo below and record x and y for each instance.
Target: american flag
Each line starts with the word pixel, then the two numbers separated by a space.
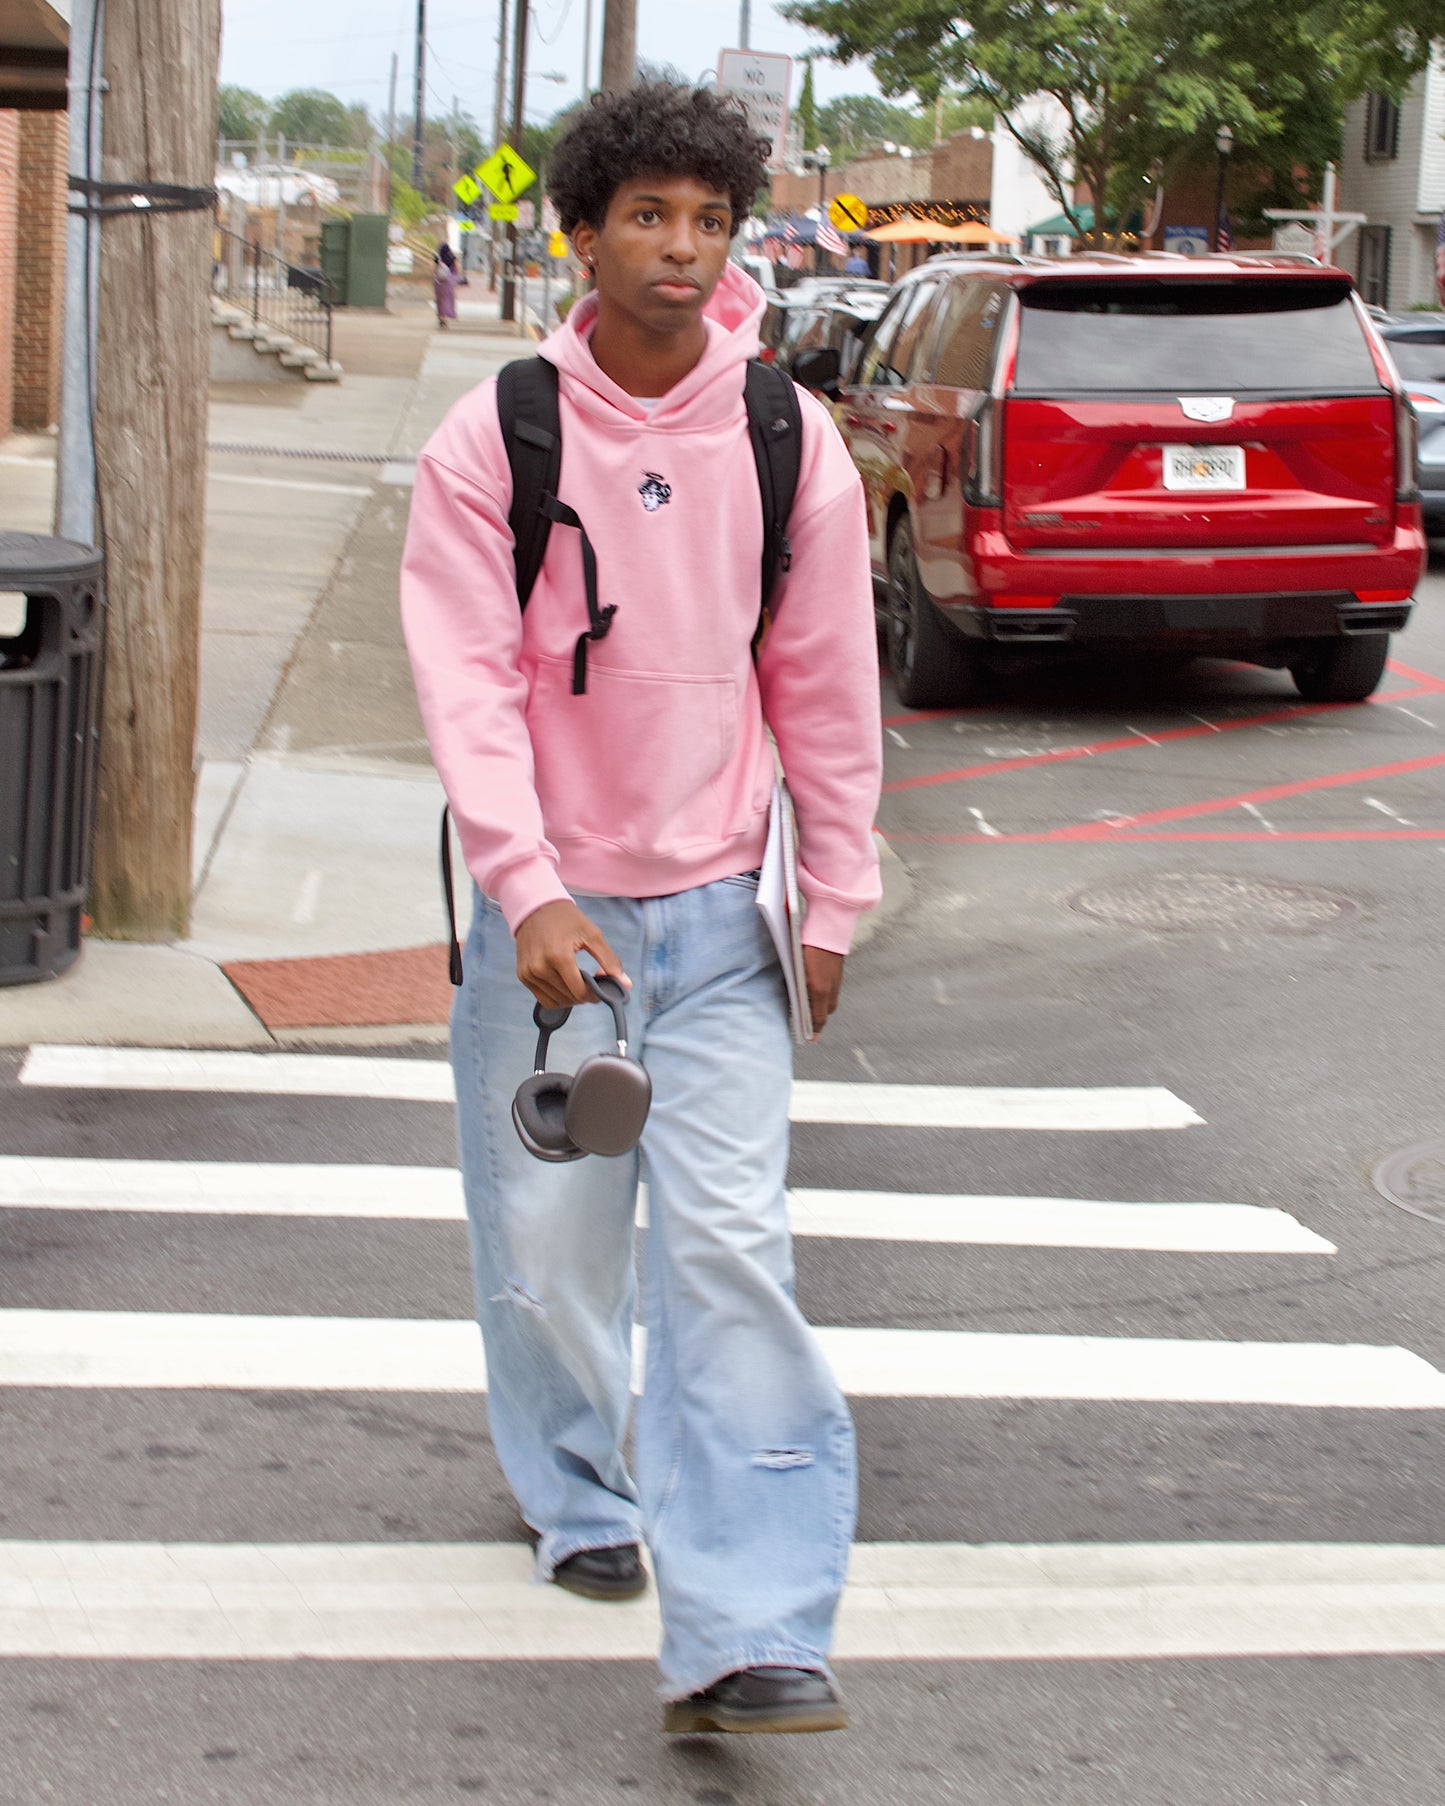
pixel 1226 235
pixel 1440 258
pixel 830 239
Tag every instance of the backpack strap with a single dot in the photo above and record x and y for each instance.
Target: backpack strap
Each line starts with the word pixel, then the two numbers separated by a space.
pixel 531 424
pixel 775 426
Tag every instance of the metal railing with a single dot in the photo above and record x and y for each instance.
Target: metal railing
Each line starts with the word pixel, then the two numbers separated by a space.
pixel 290 298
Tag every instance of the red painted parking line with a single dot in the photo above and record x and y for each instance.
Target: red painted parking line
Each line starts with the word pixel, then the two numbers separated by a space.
pixel 1124 836
pixel 1423 678
pixel 1270 794
pixel 923 715
pixel 1094 748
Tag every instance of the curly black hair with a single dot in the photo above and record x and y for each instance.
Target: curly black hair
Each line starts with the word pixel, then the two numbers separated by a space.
pixel 657 128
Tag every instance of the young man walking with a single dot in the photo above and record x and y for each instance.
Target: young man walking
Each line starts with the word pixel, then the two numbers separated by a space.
pixel 610 775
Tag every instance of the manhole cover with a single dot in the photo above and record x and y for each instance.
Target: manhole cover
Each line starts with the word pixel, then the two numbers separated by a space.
pixel 1415 1180
pixel 1179 901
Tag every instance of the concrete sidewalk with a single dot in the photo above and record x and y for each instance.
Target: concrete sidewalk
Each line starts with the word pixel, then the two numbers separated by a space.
pixel 317 914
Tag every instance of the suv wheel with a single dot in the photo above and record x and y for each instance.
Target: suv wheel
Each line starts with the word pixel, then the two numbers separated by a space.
pixel 1344 670
pixel 932 667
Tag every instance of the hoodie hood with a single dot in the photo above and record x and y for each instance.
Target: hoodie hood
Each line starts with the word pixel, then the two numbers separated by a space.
pixel 706 396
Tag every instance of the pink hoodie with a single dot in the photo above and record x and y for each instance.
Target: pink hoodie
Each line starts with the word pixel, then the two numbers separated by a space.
pixel 658 778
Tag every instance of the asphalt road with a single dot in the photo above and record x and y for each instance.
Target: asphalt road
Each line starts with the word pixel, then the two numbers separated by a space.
pixel 1193 883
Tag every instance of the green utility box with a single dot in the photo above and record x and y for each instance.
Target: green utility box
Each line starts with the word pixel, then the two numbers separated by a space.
pixel 353 259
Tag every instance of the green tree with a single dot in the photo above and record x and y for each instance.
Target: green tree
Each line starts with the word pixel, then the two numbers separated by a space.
pixel 854 122
pixel 808 110
pixel 312 116
pixel 1130 87
pixel 244 115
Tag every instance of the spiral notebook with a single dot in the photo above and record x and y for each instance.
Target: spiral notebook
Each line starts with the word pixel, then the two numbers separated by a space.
pixel 782 906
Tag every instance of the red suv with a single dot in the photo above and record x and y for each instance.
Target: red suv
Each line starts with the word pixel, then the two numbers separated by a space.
pixel 1204 456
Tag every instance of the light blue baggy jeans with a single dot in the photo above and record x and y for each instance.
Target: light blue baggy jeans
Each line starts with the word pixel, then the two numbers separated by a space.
pixel 744 1447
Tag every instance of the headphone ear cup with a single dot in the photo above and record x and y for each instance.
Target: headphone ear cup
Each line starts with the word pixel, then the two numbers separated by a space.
pixel 606 1109
pixel 539 1115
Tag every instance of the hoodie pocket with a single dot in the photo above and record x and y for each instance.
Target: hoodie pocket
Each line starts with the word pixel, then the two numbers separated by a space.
pixel 638 760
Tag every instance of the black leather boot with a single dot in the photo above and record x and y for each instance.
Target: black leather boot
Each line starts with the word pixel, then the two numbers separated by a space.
pixel 603 1573
pixel 761 1699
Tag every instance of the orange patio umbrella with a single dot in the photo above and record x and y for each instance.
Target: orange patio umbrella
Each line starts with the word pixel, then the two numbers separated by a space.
pixel 910 230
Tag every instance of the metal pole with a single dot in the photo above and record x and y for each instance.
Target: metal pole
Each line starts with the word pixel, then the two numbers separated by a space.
pixel 75 456
pixel 418 126
pixel 514 138
pixel 391 110
pixel 587 53
pixel 1327 219
pixel 281 196
pixel 745 19
pixel 1218 203
pixel 499 122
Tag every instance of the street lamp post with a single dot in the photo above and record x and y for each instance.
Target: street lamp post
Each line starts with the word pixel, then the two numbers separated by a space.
pixel 1223 144
pixel 822 157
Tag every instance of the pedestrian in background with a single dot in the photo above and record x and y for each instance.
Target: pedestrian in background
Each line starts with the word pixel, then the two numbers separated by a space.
pixel 444 283
pixel 612 797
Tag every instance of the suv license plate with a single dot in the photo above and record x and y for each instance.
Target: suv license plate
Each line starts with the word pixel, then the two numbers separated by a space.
pixel 1204 467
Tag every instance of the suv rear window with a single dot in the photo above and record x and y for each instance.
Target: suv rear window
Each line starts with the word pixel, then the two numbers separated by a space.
pixel 1203 338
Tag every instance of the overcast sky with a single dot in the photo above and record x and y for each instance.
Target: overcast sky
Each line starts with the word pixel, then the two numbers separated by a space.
pixel 346 46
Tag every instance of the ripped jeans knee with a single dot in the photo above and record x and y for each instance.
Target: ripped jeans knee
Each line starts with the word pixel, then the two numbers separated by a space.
pixel 779 1460
pixel 514 1292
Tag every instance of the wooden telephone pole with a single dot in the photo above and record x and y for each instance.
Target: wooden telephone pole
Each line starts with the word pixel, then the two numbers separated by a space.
pixel 152 373
pixel 619 45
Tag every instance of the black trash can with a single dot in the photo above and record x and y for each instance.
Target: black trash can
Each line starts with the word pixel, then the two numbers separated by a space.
pixel 49 737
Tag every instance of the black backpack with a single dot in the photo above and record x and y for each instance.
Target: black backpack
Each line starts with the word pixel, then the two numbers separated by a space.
pixel 527 407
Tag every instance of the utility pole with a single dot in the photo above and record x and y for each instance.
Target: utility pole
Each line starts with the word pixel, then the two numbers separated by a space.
pixel 152 369
pixel 514 138
pixel 418 132
pixel 619 45
pixel 499 123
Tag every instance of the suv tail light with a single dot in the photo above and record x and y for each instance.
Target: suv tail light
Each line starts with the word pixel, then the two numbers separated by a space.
pixel 1407 425
pixel 1407 447
pixel 983 476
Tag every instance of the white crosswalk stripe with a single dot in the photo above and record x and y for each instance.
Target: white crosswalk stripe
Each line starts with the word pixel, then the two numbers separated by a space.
pixel 430 1081
pixel 926 1600
pixel 903 1600
pixel 379 1354
pixel 430 1193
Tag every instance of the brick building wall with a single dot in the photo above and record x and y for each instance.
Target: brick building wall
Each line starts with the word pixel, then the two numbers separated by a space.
pixel 40 269
pixel 9 234
pixel 959 169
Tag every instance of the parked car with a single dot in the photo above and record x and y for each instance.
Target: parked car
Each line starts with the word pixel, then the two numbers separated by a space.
pixel 1210 457
pixel 1418 348
pixel 782 316
pixel 838 323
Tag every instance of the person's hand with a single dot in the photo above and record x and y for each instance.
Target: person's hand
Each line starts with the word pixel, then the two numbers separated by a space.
pixel 824 972
pixel 548 942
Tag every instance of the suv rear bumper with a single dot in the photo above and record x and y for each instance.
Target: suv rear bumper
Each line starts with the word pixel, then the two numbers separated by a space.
pixel 1237 620
pixel 1238 596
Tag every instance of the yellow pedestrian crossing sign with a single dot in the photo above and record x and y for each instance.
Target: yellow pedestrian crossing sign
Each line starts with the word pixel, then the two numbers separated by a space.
pixel 848 213
pixel 506 172
pixel 466 190
pixel 503 210
pixel 557 245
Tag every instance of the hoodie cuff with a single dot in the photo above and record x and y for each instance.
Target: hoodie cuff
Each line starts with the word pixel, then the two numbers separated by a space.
pixel 829 924
pixel 523 889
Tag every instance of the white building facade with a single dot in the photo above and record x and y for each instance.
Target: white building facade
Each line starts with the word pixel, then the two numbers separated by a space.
pixel 1392 169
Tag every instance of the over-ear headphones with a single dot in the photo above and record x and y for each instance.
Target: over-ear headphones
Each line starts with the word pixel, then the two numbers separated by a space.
pixel 600 1109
